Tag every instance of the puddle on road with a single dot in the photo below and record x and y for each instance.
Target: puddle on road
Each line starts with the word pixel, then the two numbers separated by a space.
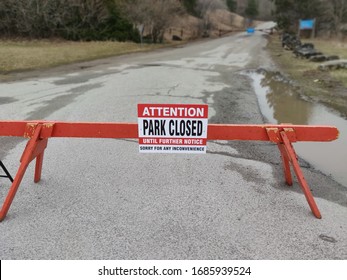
pixel 7 100
pixel 281 103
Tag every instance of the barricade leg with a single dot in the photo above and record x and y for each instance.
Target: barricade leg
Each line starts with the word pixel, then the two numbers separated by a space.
pixel 302 181
pixel 38 167
pixel 275 137
pixel 285 163
pixel 30 151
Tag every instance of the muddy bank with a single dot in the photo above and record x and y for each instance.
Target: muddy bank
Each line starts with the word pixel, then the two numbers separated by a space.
pixel 280 101
pixel 325 87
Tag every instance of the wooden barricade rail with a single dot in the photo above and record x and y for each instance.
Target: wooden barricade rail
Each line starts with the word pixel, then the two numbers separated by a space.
pixel 283 135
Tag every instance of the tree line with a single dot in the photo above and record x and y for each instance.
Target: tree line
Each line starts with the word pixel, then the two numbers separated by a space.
pixel 127 20
pixel 70 19
pixel 120 20
pixel 330 15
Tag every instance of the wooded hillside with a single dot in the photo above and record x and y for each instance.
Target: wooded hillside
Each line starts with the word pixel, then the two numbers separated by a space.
pixel 130 20
pixel 70 19
pixel 330 15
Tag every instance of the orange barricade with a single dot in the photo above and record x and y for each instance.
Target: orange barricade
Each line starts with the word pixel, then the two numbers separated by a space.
pixel 283 135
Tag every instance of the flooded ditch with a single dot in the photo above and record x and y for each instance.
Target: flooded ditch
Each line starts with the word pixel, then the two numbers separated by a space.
pixel 281 102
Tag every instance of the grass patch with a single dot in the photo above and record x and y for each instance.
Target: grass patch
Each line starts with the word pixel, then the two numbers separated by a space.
pixel 29 55
pixel 333 48
pixel 340 75
pixel 328 87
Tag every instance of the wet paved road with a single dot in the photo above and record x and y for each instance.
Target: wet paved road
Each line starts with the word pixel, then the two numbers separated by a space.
pixel 101 199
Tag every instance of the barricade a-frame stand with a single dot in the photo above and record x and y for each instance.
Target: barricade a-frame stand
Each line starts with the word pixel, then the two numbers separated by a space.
pixel 284 135
pixel 284 140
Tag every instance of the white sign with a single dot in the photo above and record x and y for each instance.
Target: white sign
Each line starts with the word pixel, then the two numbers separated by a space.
pixel 172 128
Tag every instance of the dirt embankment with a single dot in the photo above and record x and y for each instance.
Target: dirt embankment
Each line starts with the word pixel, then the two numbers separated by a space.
pixel 220 22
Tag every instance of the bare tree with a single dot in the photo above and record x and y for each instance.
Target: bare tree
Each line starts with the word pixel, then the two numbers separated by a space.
pixel 204 9
pixel 153 15
pixel 338 13
pixel 138 11
pixel 162 15
pixel 42 18
pixel 333 17
pixel 71 19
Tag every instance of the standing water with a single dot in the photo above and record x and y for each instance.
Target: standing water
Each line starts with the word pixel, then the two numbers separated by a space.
pixel 280 103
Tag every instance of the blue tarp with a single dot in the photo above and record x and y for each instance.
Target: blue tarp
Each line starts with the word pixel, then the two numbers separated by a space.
pixel 250 30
